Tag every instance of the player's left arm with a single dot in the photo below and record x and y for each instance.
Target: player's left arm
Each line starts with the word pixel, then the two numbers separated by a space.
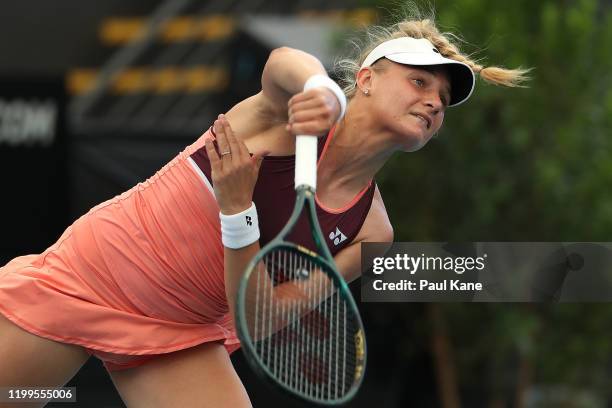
pixel 376 228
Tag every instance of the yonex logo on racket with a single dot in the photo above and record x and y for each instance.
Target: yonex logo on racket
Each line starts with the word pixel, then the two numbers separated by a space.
pixel 249 220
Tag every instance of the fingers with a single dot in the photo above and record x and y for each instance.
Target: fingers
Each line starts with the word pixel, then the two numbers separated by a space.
pixel 304 102
pixel 222 139
pixel 213 156
pixel 311 128
pixel 313 97
pixel 312 112
pixel 235 145
pixel 234 175
pixel 311 94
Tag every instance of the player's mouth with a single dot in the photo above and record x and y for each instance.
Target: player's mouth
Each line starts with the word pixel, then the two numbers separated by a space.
pixel 424 118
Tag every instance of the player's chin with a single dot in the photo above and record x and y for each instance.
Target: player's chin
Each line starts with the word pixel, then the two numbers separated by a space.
pixel 414 141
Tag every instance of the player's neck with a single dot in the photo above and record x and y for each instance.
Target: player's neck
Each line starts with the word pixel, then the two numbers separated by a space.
pixel 354 155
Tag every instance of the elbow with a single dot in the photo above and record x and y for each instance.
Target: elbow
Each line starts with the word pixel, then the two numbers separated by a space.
pixel 278 54
pixel 273 64
pixel 279 51
pixel 284 54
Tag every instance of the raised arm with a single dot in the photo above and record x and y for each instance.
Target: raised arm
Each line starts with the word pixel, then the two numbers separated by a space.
pixel 285 73
pixel 312 112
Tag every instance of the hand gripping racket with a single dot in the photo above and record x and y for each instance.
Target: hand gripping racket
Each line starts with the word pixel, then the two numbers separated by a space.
pixel 296 319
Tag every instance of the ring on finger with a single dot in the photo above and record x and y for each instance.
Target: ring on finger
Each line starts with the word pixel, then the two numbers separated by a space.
pixel 225 153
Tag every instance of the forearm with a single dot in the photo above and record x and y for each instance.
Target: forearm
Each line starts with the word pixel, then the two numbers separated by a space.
pixel 287 70
pixel 235 263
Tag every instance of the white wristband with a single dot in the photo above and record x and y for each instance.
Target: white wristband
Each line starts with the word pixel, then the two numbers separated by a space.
pixel 321 80
pixel 240 230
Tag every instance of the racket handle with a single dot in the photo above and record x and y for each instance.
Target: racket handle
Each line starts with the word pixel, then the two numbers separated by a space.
pixel 306 161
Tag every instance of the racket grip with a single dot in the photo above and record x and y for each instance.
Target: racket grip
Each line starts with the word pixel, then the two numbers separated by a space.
pixel 306 161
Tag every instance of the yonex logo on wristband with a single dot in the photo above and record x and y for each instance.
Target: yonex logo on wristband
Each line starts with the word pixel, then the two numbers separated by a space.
pixel 249 220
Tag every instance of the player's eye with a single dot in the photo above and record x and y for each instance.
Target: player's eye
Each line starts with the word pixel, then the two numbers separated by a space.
pixel 444 100
pixel 419 82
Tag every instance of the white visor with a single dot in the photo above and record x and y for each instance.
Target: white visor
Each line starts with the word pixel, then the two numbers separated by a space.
pixel 413 51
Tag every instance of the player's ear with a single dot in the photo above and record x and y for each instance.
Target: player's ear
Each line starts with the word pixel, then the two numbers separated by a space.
pixel 364 80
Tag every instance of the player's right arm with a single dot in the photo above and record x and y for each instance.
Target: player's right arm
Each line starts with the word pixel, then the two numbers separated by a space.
pixel 285 73
pixel 266 121
pixel 311 113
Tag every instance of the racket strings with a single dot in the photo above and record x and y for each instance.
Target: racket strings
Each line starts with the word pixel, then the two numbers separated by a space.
pixel 303 330
pixel 311 357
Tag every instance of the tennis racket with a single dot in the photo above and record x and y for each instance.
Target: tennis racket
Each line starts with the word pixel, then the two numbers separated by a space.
pixel 298 323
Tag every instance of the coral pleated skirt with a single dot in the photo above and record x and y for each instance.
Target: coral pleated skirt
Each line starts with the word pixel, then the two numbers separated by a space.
pixel 137 276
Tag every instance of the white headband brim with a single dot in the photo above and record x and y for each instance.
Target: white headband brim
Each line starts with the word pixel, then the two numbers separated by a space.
pixel 420 52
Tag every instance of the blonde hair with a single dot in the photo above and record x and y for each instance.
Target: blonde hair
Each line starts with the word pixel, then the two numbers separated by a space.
pixel 346 69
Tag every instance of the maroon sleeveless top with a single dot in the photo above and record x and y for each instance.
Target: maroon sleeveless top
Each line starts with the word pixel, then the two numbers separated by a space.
pixel 274 197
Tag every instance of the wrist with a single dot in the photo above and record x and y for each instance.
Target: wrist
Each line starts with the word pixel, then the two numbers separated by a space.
pixel 234 209
pixel 240 229
pixel 320 80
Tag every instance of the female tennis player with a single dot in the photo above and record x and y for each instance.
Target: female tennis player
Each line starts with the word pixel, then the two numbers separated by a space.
pixel 146 281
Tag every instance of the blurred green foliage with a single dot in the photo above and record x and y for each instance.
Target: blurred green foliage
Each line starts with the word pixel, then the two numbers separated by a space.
pixel 521 164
